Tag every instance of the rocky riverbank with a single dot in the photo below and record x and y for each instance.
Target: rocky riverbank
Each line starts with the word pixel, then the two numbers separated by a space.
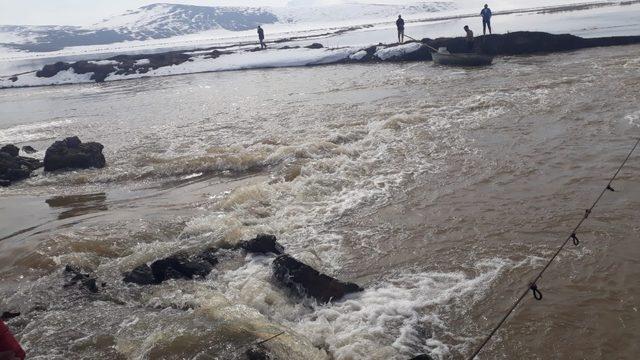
pixel 123 67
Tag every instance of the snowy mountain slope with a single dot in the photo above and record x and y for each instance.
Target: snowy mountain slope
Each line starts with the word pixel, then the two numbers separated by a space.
pixel 166 20
pixel 356 11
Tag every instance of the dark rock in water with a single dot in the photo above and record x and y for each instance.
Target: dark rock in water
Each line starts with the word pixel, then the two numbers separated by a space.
pixel 10 149
pixel 305 280
pixel 7 315
pixel 14 78
pixel 53 69
pixel 29 150
pixel 314 46
pixel 142 275
pixel 74 276
pixel 71 153
pixel 14 167
pixel 262 244
pixel 258 352
pixel 178 266
pixel 422 357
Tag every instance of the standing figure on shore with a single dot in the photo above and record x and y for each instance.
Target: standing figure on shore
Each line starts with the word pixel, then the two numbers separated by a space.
pixel 400 25
pixel 486 19
pixel 469 38
pixel 261 38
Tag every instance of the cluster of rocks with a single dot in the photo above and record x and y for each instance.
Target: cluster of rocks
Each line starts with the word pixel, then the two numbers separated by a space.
pixel 68 154
pixel 14 167
pixel 293 274
pixel 118 65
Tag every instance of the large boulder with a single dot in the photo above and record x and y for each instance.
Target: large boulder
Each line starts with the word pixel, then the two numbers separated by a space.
pixel 178 266
pixel 305 280
pixel 262 244
pixel 71 153
pixel 10 149
pixel 14 167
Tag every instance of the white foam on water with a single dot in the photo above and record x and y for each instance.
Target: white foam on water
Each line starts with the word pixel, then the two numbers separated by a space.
pixel 33 132
pixel 399 317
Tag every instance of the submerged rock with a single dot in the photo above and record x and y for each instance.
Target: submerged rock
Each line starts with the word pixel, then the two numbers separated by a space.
pixel 315 46
pixel 305 280
pixel 262 244
pixel 258 352
pixel 71 153
pixel 29 150
pixel 7 315
pixel 178 266
pixel 422 357
pixel 74 276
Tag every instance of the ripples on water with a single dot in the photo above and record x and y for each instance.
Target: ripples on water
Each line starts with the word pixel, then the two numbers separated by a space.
pixel 439 190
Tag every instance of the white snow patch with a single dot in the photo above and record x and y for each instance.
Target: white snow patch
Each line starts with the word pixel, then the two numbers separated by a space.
pixel 358 56
pixel 397 51
pixel 142 62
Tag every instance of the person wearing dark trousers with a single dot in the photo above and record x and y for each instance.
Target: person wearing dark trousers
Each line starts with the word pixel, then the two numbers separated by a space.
pixel 400 26
pixel 469 38
pixel 486 19
pixel 261 38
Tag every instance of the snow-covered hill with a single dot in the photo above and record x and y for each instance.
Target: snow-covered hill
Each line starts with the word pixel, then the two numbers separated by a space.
pixel 159 21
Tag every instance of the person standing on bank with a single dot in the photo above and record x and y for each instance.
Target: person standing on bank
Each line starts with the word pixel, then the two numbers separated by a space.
pixel 261 38
pixel 400 25
pixel 486 19
pixel 469 38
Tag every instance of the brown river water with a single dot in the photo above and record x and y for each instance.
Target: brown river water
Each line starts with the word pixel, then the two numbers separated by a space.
pixel 441 191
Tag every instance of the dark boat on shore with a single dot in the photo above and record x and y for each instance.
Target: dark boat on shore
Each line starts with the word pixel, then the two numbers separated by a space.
pixel 466 59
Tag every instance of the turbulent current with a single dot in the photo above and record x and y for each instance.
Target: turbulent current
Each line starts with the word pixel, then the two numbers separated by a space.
pixel 440 191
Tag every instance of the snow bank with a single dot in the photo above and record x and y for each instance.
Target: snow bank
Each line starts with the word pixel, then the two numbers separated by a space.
pixel 397 51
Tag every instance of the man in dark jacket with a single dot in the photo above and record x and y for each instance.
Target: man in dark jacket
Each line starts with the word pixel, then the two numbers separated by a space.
pixel 400 25
pixel 486 19
pixel 261 38
pixel 469 38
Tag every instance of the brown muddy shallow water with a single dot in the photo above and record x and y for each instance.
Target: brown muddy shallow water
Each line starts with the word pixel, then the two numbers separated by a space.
pixel 441 191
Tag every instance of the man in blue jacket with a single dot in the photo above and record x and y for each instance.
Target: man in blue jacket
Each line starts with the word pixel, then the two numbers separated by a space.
pixel 486 19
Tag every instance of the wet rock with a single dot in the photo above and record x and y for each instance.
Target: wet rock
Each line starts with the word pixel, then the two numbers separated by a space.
pixel 258 352
pixel 422 357
pixel 74 276
pixel 14 167
pixel 53 69
pixel 314 46
pixel 7 315
pixel 10 149
pixel 178 266
pixel 262 244
pixel 305 280
pixel 142 275
pixel 71 153
pixel 29 150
